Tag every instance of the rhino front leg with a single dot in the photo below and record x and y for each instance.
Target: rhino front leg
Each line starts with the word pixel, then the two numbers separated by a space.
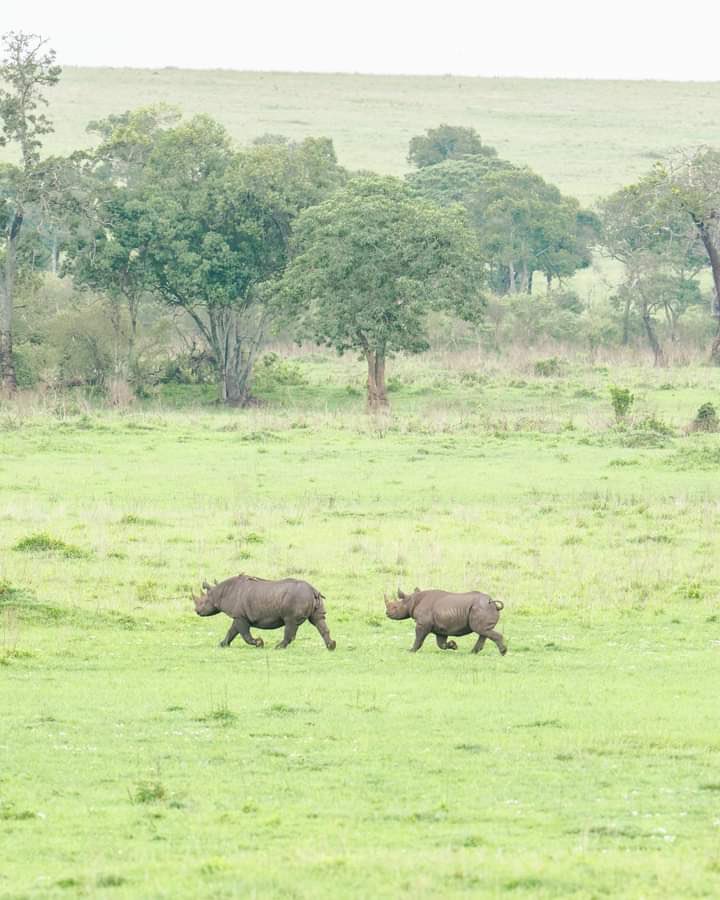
pixel 479 644
pixel 421 632
pixel 444 644
pixel 321 625
pixel 233 632
pixel 289 635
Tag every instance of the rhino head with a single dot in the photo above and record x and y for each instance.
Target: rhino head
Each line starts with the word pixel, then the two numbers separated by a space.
pixel 400 608
pixel 204 604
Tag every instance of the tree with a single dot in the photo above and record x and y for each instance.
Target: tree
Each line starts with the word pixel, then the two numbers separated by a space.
pixel 446 142
pixel 524 224
pixel 27 67
pixel 689 182
pixel 102 255
pixel 369 263
pixel 661 256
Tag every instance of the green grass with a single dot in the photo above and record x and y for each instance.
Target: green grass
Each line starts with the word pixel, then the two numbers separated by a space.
pixel 588 137
pixel 138 759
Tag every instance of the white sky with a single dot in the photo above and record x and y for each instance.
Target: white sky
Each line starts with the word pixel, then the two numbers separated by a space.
pixel 551 38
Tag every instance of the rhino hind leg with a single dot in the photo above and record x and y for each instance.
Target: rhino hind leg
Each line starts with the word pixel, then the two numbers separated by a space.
pixel 444 644
pixel 319 622
pixel 291 628
pixel 494 636
pixel 479 644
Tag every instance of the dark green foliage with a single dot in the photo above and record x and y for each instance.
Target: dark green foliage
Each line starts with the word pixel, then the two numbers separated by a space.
pixel 706 419
pixel 622 400
pixel 368 265
pixel 546 368
pixel 45 543
pixel 524 224
pixel 446 142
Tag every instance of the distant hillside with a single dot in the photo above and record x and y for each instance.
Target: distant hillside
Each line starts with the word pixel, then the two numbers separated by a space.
pixel 589 137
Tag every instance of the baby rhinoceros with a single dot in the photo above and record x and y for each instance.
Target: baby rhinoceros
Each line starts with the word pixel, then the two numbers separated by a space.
pixel 264 604
pixel 443 613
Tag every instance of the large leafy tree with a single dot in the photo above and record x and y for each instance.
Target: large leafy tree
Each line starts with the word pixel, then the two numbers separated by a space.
pixel 101 254
pixel 370 262
pixel 204 227
pixel 689 183
pixel 446 142
pixel 661 256
pixel 26 69
pixel 524 224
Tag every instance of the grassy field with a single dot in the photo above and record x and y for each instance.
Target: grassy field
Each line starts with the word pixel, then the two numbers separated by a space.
pixel 138 759
pixel 589 137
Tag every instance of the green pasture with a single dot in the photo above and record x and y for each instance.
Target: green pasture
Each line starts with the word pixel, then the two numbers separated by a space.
pixel 139 760
pixel 588 137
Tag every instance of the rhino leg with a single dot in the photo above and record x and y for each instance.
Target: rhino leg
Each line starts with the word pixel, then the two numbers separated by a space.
pixel 244 628
pixel 291 627
pixel 479 644
pixel 233 632
pixel 319 622
pixel 444 644
pixel 421 632
pixel 494 636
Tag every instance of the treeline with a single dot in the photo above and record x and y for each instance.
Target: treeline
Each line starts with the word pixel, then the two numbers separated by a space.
pixel 181 253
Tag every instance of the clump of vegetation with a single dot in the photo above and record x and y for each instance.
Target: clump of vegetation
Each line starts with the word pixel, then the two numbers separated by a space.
pixel 149 792
pixel 622 400
pixel 45 543
pixel 548 368
pixel 706 419
pixel 272 372
pixel 131 519
pixel 147 591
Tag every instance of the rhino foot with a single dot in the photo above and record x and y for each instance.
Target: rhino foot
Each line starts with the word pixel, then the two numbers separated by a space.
pixel 451 645
pixel 259 642
pixel 331 645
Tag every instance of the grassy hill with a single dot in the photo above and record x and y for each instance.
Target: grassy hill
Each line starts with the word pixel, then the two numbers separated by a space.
pixel 589 137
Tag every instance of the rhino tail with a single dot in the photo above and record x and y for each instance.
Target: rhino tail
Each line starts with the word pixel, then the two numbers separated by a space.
pixel 498 604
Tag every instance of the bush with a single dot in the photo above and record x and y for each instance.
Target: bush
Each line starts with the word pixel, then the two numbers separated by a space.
pixel 272 371
pixel 547 368
pixel 622 401
pixel 706 419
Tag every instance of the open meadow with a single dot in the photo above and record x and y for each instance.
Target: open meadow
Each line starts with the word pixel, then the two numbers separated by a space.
pixel 137 759
pixel 588 137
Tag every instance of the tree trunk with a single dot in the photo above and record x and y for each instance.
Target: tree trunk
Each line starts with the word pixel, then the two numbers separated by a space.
pixel 376 390
pixel 653 341
pixel 626 322
pixel 714 256
pixel 8 379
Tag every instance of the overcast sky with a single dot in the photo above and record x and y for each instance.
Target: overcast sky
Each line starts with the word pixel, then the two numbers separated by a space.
pixel 553 38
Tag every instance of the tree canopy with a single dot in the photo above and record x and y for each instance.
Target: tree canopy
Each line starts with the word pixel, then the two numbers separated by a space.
pixel 446 142
pixel 370 262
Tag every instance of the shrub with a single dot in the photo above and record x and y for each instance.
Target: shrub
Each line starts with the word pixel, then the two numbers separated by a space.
pixel 547 368
pixel 621 400
pixel 272 371
pixel 706 419
pixel 45 543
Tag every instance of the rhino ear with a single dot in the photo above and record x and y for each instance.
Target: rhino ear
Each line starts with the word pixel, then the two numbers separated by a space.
pixel 416 591
pixel 205 586
pixel 401 596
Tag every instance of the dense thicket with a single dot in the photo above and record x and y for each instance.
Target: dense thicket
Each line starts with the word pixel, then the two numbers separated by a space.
pixel 168 252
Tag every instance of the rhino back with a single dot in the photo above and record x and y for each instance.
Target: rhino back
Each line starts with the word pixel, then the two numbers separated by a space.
pixel 452 613
pixel 261 600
